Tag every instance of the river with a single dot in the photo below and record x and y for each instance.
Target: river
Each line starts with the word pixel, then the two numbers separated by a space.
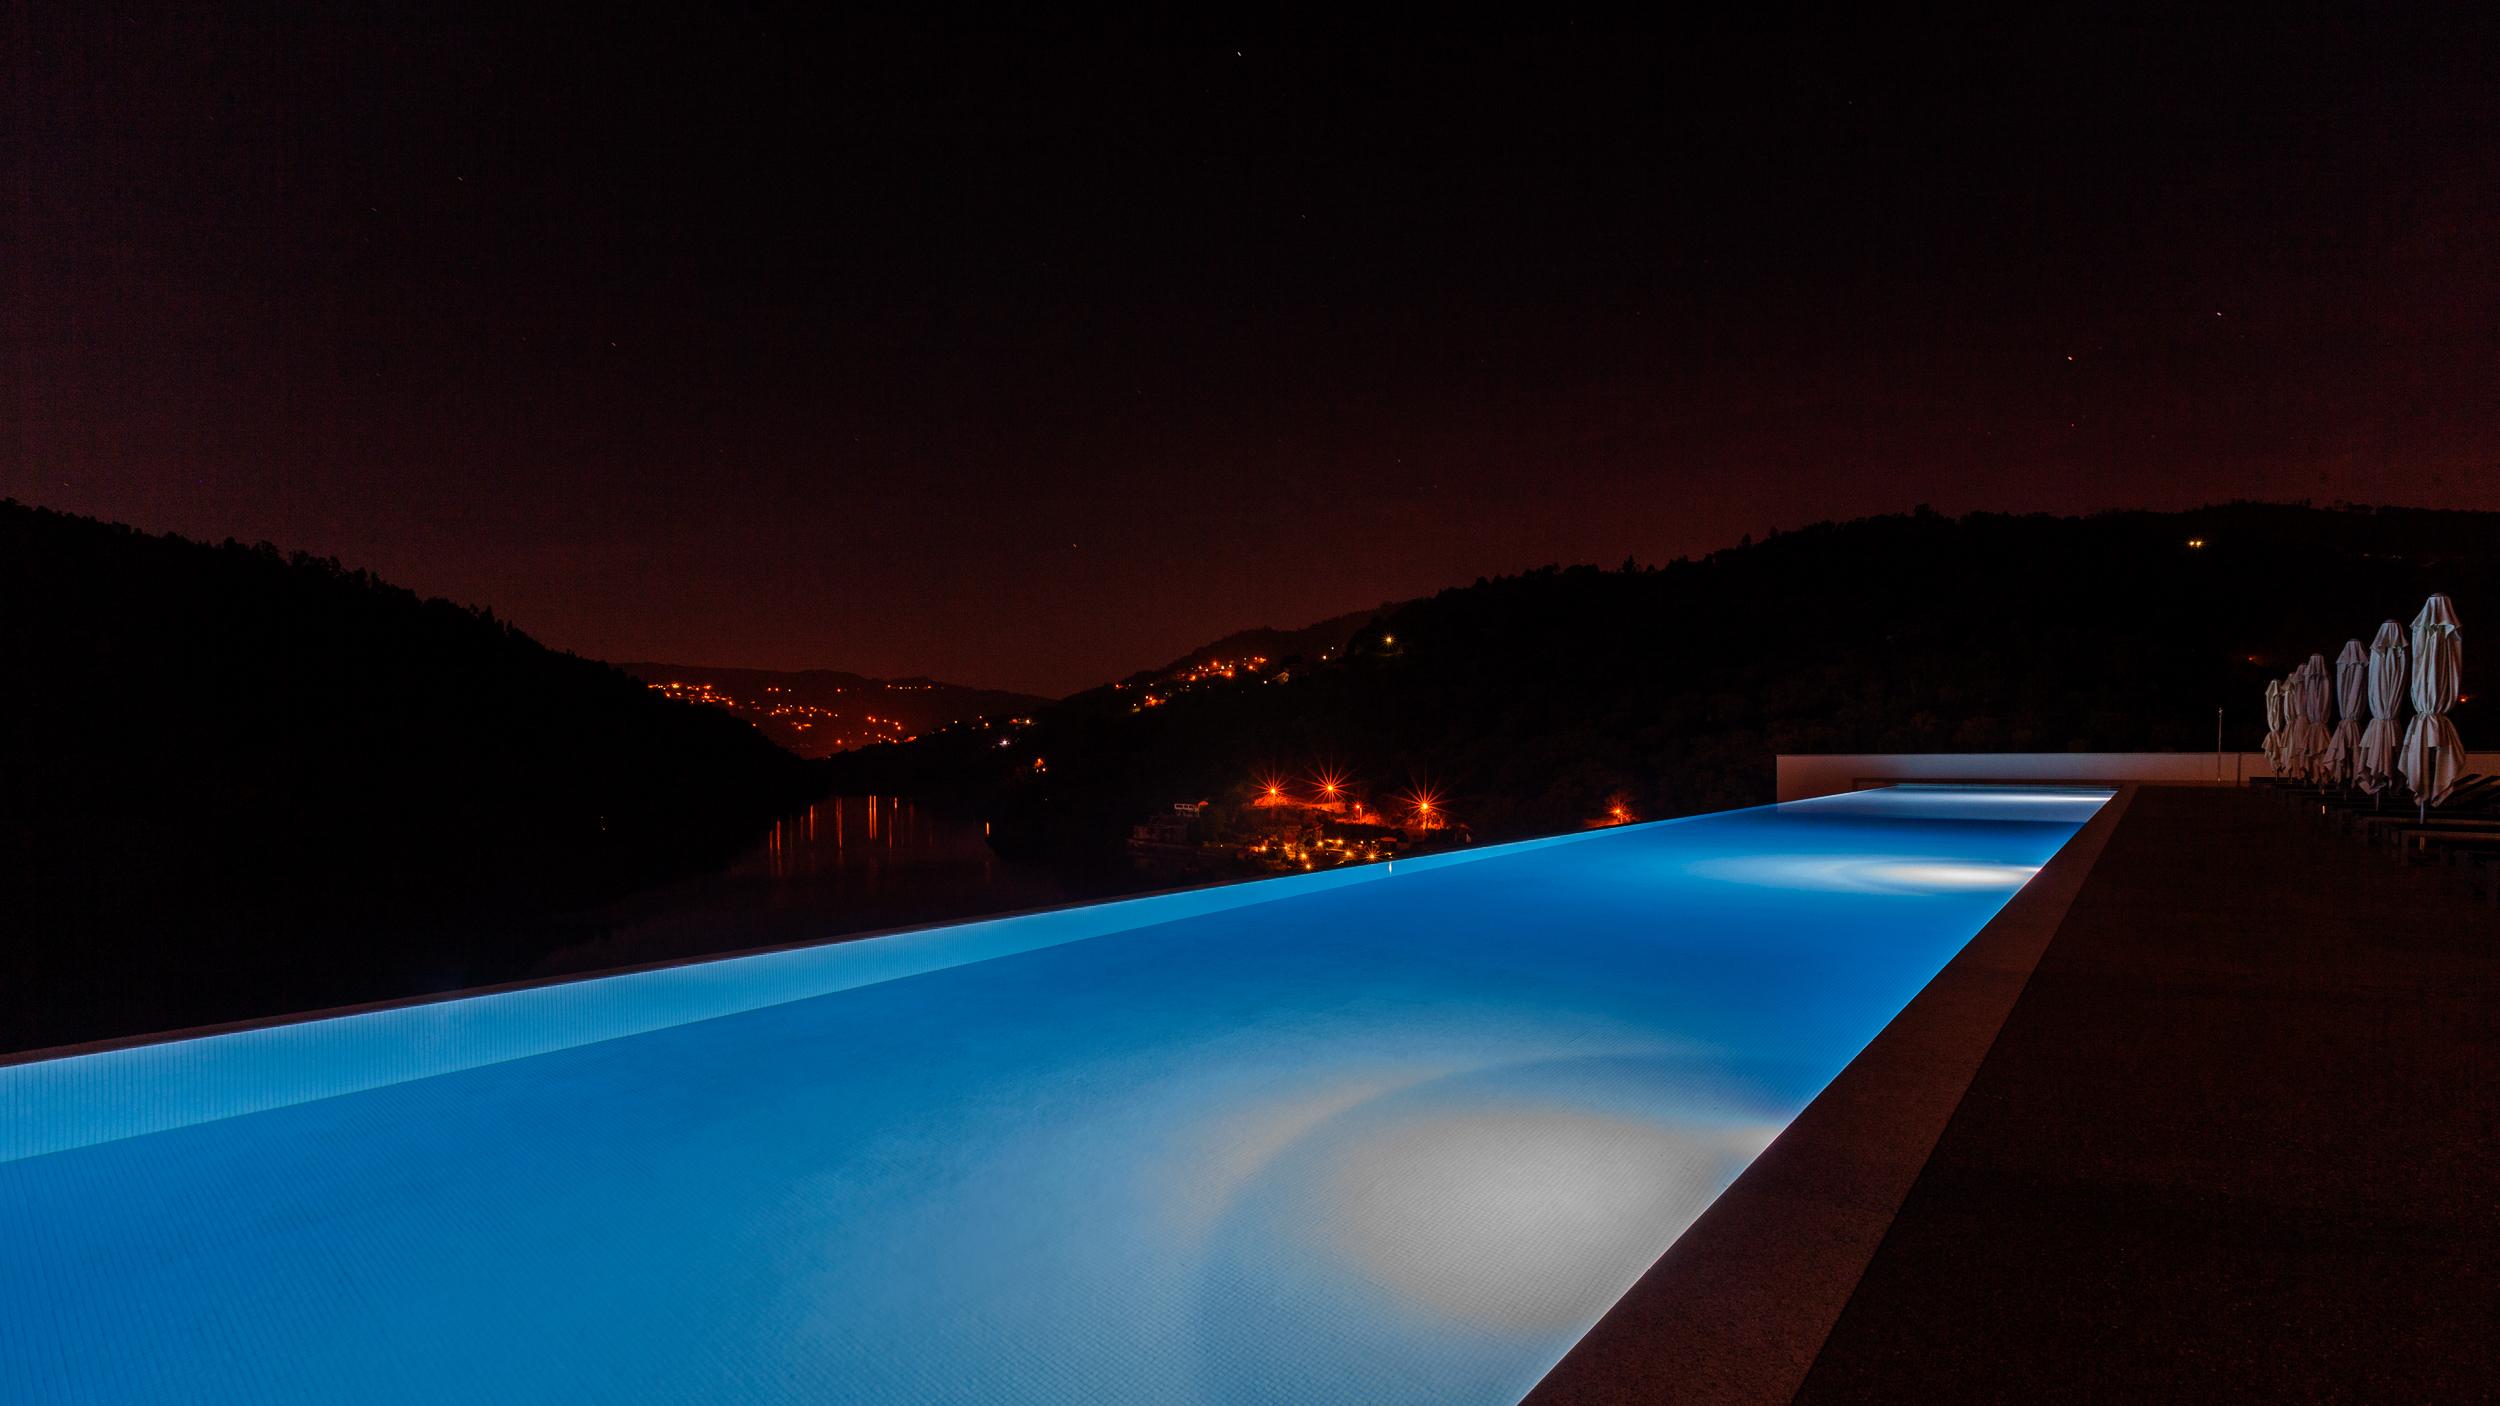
pixel 845 865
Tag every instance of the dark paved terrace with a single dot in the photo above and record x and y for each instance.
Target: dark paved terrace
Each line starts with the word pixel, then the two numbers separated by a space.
pixel 2238 1138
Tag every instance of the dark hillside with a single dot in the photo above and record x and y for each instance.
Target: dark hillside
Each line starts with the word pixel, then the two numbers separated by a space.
pixel 1528 702
pixel 234 782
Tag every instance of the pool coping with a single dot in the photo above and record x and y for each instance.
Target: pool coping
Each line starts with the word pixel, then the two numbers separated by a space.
pixel 1737 1310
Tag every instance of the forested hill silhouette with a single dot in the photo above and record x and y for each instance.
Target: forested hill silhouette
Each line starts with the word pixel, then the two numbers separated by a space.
pixel 235 783
pixel 1528 702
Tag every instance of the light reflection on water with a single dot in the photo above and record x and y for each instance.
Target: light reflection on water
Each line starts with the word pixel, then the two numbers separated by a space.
pixel 1907 874
pixel 791 847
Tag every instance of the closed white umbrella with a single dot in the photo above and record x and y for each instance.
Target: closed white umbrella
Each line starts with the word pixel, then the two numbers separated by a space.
pixel 2352 686
pixel 2433 754
pixel 2274 726
pixel 2317 711
pixel 2376 765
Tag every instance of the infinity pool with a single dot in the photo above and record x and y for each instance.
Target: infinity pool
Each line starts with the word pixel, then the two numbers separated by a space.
pixel 1394 1134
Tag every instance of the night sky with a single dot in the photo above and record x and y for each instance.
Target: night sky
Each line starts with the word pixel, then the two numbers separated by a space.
pixel 1029 359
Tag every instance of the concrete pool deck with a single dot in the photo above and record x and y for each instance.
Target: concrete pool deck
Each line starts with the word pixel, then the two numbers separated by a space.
pixel 2229 1134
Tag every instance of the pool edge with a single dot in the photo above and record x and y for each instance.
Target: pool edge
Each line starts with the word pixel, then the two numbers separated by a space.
pixel 226 1067
pixel 1739 1306
pixel 1380 869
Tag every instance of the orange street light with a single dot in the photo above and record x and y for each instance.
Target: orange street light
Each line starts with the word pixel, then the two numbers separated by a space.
pixel 1429 811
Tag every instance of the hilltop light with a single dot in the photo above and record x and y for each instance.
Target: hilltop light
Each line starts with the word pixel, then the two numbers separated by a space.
pixel 1424 805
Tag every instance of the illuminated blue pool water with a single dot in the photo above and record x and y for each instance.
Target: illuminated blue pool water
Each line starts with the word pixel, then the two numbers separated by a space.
pixel 1371 1136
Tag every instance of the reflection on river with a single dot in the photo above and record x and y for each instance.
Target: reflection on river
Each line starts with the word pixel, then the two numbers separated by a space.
pixel 848 864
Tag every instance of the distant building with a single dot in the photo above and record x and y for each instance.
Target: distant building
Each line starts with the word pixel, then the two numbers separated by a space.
pixel 1169 829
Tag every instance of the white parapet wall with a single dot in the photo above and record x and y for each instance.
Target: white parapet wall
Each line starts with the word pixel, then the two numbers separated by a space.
pixel 1802 776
